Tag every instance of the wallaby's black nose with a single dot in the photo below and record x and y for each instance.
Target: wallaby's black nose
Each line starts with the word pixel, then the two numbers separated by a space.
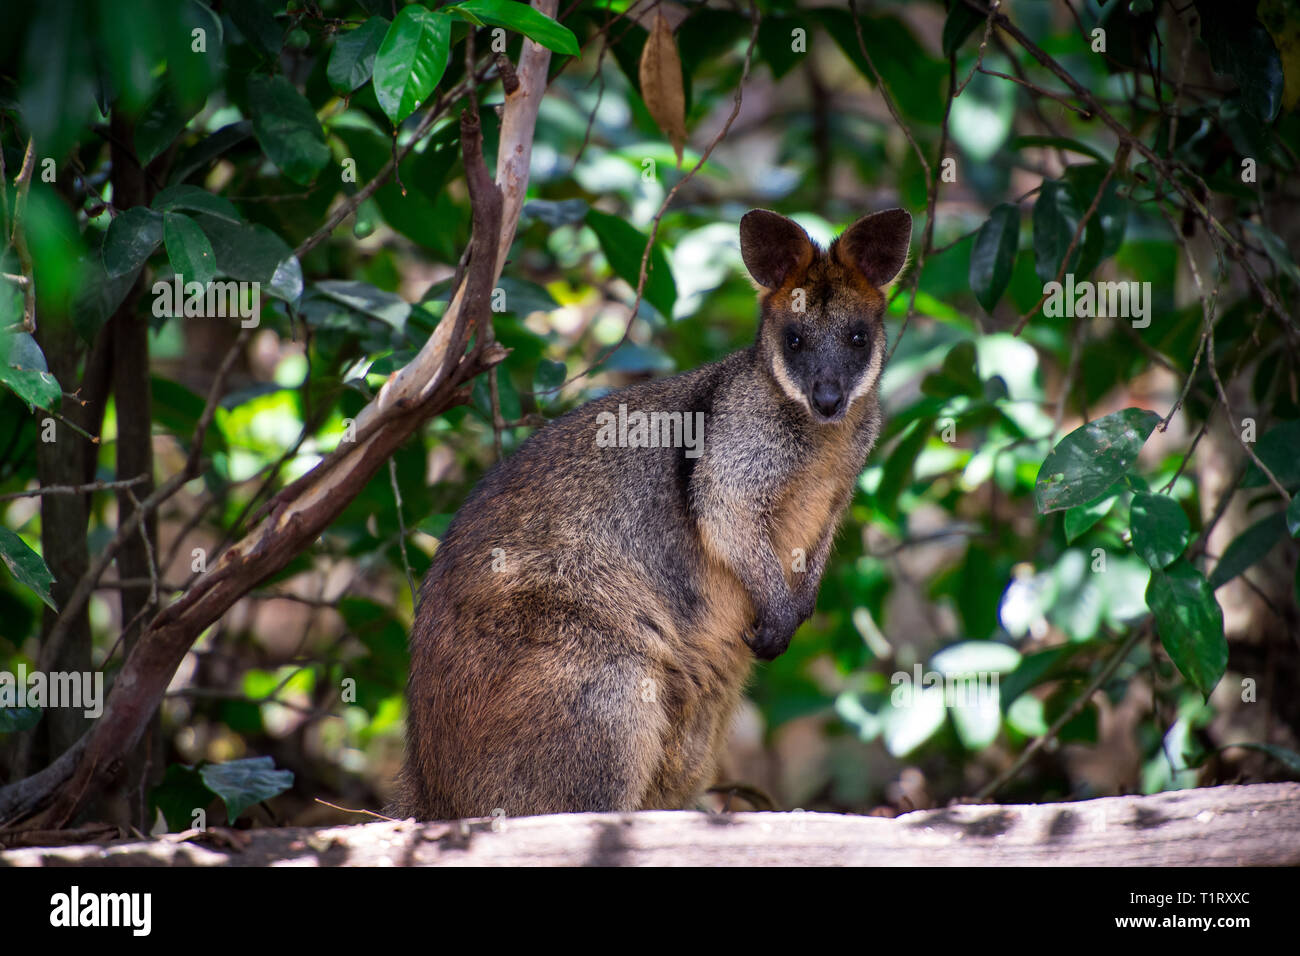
pixel 827 398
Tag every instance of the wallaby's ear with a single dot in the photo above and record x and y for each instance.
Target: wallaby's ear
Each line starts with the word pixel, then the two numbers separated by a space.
pixel 876 245
pixel 773 247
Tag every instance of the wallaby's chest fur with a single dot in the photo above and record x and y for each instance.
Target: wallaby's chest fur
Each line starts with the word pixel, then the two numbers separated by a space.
pixel 590 618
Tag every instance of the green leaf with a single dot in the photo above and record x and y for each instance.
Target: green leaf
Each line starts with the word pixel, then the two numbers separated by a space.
pixel 56 97
pixel 209 149
pixel 1190 624
pixel 639 360
pixel 959 374
pixel 915 78
pixel 24 371
pixel 194 75
pixel 177 410
pixel 1079 519
pixel 1054 222
pixel 898 467
pixel 775 46
pixel 523 298
pixel 981 581
pixel 1160 529
pixel 1275 248
pixel 1240 47
pixel 564 212
pixel 256 21
pixel 521 18
pixel 353 58
pixel 131 239
pixel 1060 142
pixel 436 524
pixel 254 254
pixel 387 307
pixel 1082 727
pixel 1055 219
pixel 286 127
pixel 26 566
pixel 624 246
pixel 99 296
pixel 1249 547
pixel 16 719
pixel 1037 668
pixel 1279 449
pixel 181 792
pixel 1293 516
pixel 1090 459
pixel 507 396
pixel 1286 757
pixel 960 24
pixel 421 215
pixel 194 199
pixel 1111 216
pixel 243 783
pixel 188 249
pixel 994 254
pixel 162 121
pixel 548 378
pixel 411 60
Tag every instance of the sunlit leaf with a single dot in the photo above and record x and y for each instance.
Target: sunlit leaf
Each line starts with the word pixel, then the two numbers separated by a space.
pixel 1190 624
pixel 522 18
pixel 624 247
pixel 27 567
pixel 411 60
pixel 1160 529
pixel 1091 458
pixel 243 783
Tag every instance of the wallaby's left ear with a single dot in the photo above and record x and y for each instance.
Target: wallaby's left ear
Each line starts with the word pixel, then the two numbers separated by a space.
pixel 876 245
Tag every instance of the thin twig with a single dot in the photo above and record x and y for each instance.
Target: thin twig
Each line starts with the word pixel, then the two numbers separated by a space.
pixel 53 643
pixel 979 60
pixel 1121 156
pixel 756 18
pixel 1076 706
pixel 1207 318
pixel 76 489
pixel 401 528
pixel 18 236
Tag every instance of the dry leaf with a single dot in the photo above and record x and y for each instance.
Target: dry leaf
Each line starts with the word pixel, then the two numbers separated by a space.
pixel 661 84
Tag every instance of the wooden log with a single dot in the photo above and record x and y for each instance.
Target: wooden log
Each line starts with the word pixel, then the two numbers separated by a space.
pixel 1255 825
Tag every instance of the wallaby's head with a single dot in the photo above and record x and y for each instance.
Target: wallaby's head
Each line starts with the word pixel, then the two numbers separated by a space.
pixel 820 334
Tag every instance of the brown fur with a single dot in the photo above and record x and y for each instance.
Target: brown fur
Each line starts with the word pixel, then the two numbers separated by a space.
pixel 598 665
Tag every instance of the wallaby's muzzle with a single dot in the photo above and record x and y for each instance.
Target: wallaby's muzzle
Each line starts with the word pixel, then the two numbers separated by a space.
pixel 828 399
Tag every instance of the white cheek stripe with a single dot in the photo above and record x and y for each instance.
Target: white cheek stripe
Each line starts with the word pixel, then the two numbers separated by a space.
pixel 871 376
pixel 788 386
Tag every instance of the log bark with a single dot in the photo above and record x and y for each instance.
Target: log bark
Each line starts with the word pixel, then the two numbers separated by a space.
pixel 1255 825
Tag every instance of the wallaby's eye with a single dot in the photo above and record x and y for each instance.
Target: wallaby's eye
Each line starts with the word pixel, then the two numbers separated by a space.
pixel 793 340
pixel 858 340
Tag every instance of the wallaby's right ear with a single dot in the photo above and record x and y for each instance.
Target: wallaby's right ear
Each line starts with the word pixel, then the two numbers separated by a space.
pixel 773 247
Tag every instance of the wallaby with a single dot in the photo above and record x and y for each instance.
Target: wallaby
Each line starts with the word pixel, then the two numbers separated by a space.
pixel 585 630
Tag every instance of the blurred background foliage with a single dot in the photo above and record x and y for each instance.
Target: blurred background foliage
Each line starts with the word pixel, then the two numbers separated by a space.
pixel 947 564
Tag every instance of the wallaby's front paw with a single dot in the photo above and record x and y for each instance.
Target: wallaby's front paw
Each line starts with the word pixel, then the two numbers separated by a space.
pixel 771 635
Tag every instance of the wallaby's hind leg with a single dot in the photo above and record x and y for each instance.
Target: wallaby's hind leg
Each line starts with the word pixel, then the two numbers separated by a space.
pixel 561 724
pixel 592 746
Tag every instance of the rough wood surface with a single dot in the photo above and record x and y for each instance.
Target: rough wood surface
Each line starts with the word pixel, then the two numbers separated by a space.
pixel 1238 825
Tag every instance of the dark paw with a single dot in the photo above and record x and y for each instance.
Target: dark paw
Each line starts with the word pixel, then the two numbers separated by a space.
pixel 770 636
